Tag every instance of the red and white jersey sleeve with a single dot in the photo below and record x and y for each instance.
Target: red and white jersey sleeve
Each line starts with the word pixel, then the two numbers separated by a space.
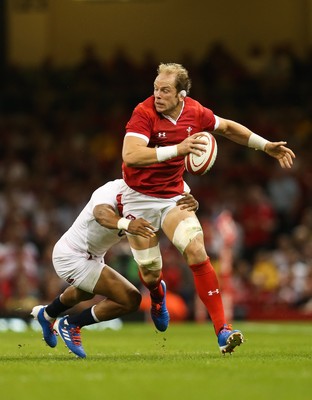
pixel 164 179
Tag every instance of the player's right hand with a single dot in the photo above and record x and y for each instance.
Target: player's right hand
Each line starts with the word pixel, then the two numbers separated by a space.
pixel 142 228
pixel 193 144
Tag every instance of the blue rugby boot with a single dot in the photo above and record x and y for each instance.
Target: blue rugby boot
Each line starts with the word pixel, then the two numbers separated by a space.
pixel 228 339
pixel 70 334
pixel 159 312
pixel 49 335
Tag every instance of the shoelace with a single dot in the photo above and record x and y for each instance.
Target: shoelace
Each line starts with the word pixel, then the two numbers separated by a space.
pixel 75 336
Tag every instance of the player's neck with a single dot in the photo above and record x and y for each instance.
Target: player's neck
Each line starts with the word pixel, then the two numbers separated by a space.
pixel 175 113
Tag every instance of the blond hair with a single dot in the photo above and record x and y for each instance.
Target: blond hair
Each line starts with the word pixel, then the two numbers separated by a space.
pixel 182 80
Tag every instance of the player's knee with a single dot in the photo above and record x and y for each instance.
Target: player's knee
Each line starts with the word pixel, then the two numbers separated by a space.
pixel 134 301
pixel 186 233
pixel 148 258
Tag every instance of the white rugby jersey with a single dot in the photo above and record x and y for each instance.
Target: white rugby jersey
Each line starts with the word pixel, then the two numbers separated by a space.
pixel 87 235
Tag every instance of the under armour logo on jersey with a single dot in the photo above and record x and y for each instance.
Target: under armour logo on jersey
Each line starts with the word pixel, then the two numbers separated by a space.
pixel 161 134
pixel 189 130
pixel 212 292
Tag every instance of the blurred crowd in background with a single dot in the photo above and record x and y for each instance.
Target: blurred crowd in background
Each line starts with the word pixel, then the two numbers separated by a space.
pixel 61 133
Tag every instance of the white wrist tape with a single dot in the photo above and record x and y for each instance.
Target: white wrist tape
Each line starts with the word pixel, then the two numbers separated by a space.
pixel 123 223
pixel 257 142
pixel 166 152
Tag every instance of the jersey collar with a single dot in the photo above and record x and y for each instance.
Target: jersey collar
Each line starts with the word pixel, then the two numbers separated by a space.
pixel 172 120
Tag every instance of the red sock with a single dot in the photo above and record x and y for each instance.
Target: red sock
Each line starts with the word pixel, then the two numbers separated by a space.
pixel 156 290
pixel 207 287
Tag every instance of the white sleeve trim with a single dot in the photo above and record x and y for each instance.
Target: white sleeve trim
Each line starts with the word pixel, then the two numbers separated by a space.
pixel 217 123
pixel 139 135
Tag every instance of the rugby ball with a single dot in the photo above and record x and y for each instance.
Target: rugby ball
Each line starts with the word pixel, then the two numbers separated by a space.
pixel 199 165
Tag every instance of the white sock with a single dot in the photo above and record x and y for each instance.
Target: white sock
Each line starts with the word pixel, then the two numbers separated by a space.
pixel 93 315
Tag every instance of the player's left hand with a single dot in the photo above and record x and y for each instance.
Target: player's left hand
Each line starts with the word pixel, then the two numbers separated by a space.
pixel 282 153
pixel 188 202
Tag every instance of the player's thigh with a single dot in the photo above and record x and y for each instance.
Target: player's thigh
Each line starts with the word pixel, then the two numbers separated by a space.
pixel 173 219
pixel 114 286
pixel 184 230
pixel 139 243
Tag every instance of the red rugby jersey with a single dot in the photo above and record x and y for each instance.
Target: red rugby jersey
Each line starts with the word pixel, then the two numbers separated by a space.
pixel 164 179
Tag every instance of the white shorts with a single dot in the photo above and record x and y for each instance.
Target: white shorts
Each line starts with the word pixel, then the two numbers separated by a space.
pixel 79 269
pixel 153 209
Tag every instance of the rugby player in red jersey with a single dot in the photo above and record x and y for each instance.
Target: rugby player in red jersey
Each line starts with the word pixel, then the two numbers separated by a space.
pixel 162 130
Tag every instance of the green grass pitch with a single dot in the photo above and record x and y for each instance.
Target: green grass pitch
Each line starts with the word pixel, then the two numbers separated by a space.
pixel 183 363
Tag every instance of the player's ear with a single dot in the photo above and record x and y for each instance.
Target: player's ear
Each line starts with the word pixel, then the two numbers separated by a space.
pixel 182 94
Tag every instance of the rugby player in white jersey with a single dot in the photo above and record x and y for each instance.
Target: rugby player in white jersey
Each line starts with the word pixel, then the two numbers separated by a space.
pixel 78 258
